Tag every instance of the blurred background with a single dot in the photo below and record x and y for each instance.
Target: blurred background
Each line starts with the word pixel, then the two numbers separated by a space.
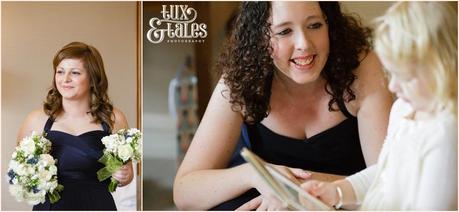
pixel 178 79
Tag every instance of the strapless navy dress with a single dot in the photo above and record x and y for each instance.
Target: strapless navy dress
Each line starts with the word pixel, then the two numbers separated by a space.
pixel 77 166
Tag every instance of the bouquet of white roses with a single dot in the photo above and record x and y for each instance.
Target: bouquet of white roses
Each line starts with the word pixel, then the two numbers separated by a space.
pixel 32 172
pixel 119 149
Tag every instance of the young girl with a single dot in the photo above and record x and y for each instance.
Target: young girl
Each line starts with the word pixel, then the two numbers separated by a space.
pixel 417 167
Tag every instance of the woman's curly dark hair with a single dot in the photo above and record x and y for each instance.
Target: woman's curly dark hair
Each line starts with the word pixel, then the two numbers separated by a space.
pixel 101 107
pixel 248 69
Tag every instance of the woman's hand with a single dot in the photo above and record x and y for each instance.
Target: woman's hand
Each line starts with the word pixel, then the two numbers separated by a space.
pixel 124 175
pixel 268 200
pixel 264 203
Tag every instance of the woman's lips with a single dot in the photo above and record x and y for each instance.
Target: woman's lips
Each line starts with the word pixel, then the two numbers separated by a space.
pixel 303 63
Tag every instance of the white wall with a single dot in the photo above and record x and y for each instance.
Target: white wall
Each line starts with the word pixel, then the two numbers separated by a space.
pixel 32 32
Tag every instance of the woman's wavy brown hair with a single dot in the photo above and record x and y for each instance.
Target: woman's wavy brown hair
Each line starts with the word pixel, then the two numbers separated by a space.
pixel 100 106
pixel 248 69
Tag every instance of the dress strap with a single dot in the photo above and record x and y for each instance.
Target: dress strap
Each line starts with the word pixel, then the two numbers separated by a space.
pixel 48 125
pixel 106 128
pixel 343 109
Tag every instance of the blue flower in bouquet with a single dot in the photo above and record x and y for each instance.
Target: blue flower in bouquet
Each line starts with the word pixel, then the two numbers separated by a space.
pixel 120 147
pixel 32 172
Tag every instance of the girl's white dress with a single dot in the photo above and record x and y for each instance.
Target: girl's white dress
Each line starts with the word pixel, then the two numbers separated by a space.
pixel 417 167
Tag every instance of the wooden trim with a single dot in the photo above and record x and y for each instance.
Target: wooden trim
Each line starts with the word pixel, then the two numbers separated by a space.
pixel 139 94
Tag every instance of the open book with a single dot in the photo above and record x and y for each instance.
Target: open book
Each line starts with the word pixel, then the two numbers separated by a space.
pixel 287 190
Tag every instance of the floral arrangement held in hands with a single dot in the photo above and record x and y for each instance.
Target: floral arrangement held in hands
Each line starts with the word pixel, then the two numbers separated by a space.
pixel 119 149
pixel 32 171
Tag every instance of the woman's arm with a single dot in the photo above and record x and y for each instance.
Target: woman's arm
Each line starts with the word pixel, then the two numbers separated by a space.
pixel 125 174
pixel 373 105
pixel 202 180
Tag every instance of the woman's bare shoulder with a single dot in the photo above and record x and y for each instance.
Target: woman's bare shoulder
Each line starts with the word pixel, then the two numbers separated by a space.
pixel 37 117
pixel 120 120
pixel 369 66
pixel 371 83
pixel 35 121
pixel 370 77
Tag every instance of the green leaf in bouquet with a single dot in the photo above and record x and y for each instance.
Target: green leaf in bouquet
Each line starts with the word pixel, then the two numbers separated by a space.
pixel 111 163
pixel 112 186
pixel 54 196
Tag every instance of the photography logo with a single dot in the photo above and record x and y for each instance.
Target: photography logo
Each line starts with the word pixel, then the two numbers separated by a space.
pixel 178 25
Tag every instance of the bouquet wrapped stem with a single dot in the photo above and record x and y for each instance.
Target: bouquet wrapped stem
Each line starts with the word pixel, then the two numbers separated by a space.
pixel 112 164
pixel 119 149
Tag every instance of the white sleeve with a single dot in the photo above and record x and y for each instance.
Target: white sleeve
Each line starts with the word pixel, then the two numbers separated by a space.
pixel 438 178
pixel 361 181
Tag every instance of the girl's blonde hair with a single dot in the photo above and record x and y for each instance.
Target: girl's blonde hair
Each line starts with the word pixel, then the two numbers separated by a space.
pixel 425 34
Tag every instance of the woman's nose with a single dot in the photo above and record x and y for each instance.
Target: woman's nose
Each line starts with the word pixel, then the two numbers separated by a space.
pixel 302 41
pixel 67 77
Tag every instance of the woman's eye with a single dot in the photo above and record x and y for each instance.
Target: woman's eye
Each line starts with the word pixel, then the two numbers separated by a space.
pixel 315 26
pixel 284 32
pixel 59 72
pixel 75 73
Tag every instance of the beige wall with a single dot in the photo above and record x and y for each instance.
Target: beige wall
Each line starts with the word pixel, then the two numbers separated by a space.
pixel 366 10
pixel 32 32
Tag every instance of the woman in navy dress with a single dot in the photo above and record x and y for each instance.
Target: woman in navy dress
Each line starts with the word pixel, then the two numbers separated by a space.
pixel 76 115
pixel 300 80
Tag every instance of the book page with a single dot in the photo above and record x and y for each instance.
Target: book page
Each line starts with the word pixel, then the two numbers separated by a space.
pixel 284 188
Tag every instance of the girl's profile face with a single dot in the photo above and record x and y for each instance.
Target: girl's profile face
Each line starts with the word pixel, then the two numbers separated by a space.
pixel 299 37
pixel 409 86
pixel 72 79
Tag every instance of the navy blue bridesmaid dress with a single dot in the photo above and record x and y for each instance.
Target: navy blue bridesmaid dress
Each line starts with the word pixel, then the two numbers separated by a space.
pixel 77 166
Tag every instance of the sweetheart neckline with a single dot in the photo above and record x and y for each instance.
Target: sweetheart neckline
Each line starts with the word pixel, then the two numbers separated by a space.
pixel 307 139
pixel 87 132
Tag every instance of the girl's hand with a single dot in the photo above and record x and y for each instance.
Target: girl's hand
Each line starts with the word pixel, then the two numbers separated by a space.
pixel 324 191
pixel 124 175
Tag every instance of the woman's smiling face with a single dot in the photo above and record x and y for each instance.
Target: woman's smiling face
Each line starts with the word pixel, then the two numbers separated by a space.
pixel 299 37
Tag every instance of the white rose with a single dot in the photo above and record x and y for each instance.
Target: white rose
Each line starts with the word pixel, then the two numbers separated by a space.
pixel 17 191
pixel 28 146
pixel 53 170
pixel 20 169
pixel 45 175
pixel 35 198
pixel 110 143
pixel 30 170
pixel 125 152
pixel 13 165
pixel 107 140
pixel 46 160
